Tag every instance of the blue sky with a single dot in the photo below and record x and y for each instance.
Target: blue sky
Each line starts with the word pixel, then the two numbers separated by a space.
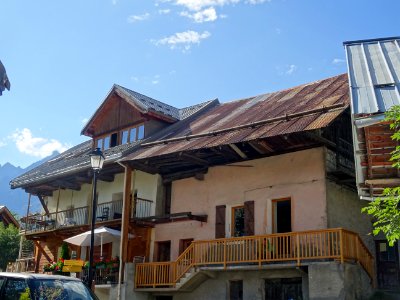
pixel 62 57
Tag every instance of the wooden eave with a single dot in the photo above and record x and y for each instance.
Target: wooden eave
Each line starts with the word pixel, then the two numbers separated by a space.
pixel 73 181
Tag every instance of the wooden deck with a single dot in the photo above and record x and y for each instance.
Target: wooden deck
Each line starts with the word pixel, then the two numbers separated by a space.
pixel 294 247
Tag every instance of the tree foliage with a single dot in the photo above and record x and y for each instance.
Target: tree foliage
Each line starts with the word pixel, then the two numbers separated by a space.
pixel 9 244
pixel 386 209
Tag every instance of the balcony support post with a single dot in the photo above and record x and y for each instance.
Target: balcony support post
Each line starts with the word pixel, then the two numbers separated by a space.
pixel 126 215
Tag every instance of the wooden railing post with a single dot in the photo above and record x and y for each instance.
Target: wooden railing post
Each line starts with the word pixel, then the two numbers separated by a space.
pixel 225 254
pixel 154 276
pixel 341 246
pixel 298 248
pixel 259 251
pixel 356 241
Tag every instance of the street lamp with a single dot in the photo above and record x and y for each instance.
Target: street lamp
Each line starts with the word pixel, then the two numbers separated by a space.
pixel 96 160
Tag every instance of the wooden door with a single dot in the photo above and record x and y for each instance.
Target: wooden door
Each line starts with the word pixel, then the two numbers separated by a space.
pixel 387 261
pixel 164 251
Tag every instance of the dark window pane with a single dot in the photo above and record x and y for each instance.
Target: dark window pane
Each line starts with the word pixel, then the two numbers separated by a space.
pixel 283 289
pixel 238 221
pixel 236 290
pixel 114 140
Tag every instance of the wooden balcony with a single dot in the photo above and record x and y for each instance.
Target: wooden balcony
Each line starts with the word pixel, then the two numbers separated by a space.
pixel 294 247
pixel 75 217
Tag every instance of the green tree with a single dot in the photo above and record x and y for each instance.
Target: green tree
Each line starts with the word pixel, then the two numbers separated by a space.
pixel 9 244
pixel 385 210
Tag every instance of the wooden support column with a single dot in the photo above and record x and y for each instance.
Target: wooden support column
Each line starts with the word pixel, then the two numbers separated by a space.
pixel 40 248
pixel 38 256
pixel 126 216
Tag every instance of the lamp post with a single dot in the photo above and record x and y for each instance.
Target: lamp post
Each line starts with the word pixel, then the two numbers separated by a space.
pixel 96 160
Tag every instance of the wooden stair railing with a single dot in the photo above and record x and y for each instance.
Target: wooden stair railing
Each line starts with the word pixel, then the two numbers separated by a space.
pixel 333 244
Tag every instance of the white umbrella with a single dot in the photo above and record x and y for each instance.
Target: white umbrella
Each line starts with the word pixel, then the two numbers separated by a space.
pixel 102 235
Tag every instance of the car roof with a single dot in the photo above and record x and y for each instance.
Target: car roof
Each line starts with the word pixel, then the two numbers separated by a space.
pixel 37 276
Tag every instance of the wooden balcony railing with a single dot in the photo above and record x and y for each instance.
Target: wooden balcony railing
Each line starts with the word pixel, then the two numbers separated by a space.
pixel 297 247
pixel 106 211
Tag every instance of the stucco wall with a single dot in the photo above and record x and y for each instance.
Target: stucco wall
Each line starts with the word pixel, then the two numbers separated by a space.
pixel 145 185
pixel 299 176
pixel 344 210
pixel 253 284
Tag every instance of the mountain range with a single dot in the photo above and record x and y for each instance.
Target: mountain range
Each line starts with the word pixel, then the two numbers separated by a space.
pixel 17 200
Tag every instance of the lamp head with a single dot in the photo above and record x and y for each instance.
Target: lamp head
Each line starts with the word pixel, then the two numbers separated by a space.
pixel 97 160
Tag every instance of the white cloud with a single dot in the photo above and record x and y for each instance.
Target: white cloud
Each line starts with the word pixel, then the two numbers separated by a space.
pixel 138 18
pixel 256 1
pixel 196 5
pixel 338 61
pixel 36 146
pixel 164 11
pixel 183 40
pixel 2 144
pixel 291 69
pixel 85 120
pixel 206 15
pixel 156 79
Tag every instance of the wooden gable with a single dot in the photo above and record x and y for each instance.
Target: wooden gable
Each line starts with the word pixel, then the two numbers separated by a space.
pixel 114 114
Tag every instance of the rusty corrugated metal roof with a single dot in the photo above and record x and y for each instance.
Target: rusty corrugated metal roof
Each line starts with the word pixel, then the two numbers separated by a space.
pixel 305 107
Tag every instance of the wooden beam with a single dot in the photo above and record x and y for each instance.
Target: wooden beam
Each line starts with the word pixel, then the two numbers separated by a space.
pixel 184 174
pixel 106 177
pixel 257 147
pixel 144 167
pixel 43 204
pixel 194 159
pixel 238 151
pixel 38 256
pixel 126 215
pixel 64 184
pixel 40 248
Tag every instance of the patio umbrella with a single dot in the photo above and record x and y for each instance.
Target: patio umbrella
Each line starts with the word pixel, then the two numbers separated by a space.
pixel 102 235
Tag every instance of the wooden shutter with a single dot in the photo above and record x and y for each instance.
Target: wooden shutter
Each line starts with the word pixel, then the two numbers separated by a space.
pixel 249 218
pixel 220 221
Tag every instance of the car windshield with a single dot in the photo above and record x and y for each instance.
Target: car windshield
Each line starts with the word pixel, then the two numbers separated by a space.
pixel 48 289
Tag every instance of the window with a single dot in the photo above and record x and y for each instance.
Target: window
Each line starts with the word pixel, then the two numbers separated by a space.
pixel 140 132
pixel 132 135
pixel 238 221
pixel 106 144
pixel 124 139
pixel 236 290
pixel 114 140
pixel 283 288
pixel 99 143
pixel 127 135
